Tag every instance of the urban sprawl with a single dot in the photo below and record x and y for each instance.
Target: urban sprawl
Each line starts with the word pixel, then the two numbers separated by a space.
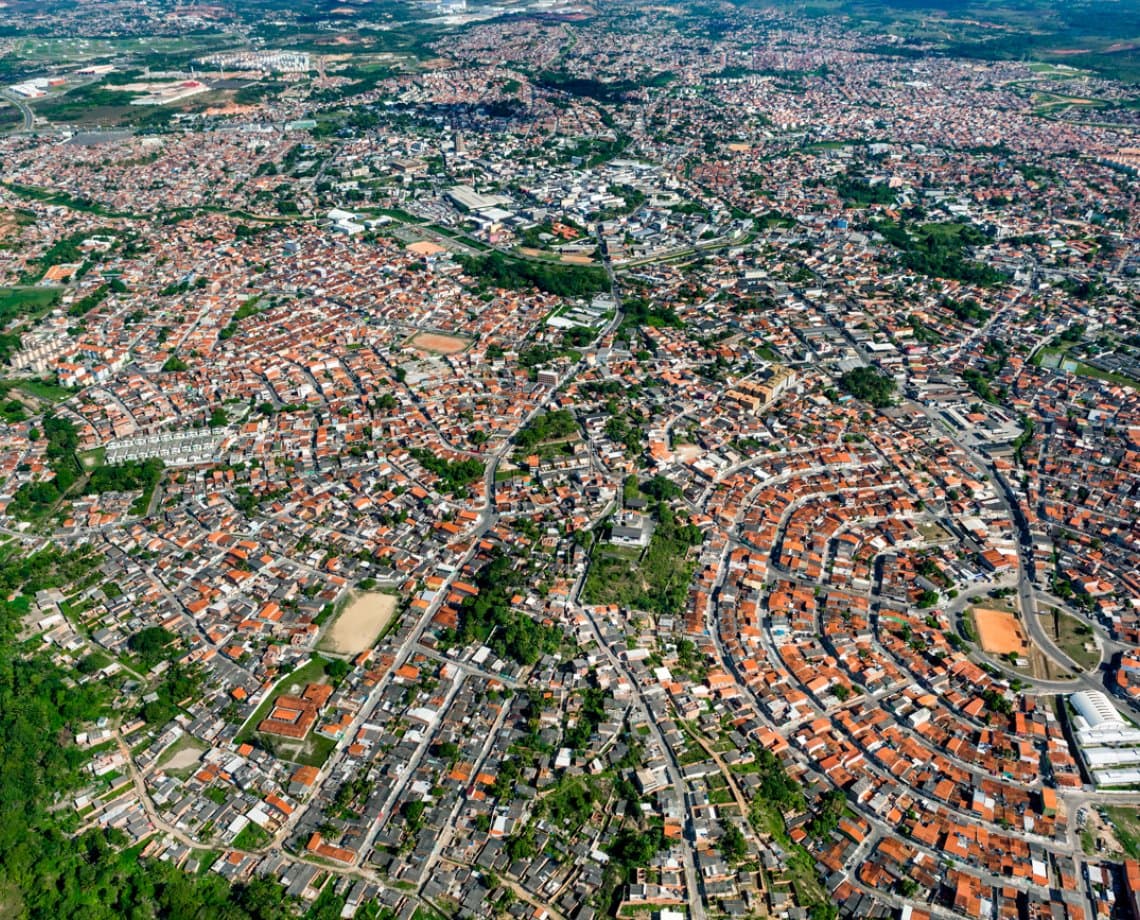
pixel 591 468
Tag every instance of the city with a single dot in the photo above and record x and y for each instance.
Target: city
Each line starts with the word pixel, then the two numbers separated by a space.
pixel 561 461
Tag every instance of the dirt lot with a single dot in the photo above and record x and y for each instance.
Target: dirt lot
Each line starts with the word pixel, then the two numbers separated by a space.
pixel 182 755
pixel 360 623
pixel 1000 632
pixel 10 223
pixel 425 248
pixel 439 344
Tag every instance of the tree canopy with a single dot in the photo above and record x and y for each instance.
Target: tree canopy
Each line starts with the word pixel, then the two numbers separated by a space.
pixel 868 384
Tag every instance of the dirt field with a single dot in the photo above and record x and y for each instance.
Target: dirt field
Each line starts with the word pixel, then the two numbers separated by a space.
pixel 182 754
pixel 1000 632
pixel 230 108
pixel 360 623
pixel 439 344
pixel 187 757
pixel 425 248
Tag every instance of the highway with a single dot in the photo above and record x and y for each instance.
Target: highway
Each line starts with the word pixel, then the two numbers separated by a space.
pixel 26 113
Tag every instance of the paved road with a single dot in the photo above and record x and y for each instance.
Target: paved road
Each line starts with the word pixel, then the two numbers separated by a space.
pixel 29 118
pixel 672 765
pixel 138 787
pixel 1026 590
pixel 488 518
pixel 448 829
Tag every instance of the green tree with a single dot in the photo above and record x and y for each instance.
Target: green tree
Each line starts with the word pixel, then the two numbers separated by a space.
pixel 732 845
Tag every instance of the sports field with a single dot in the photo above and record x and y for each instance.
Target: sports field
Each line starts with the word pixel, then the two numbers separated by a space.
pixel 360 623
pixel 437 344
pixel 1000 632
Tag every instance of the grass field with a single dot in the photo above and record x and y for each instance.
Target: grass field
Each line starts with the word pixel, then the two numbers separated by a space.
pixel 10 116
pixel 1126 822
pixel 39 389
pixel 312 752
pixel 251 837
pixel 1044 69
pixel 50 50
pixel 25 302
pixel 104 105
pixel 1071 636
pixel 1087 370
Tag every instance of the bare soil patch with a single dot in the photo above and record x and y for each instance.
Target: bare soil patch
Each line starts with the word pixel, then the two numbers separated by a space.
pixel 358 625
pixel 426 248
pixel 436 344
pixel 1000 632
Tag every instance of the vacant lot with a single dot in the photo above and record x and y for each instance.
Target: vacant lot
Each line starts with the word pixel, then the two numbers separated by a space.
pixel 426 248
pixel 26 301
pixel 1000 632
pixel 359 623
pixel 11 222
pixel 182 755
pixel 1126 823
pixel 1075 639
pixel 436 344
pixel 655 580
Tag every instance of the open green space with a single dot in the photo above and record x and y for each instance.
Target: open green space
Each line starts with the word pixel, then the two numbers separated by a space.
pixel 655 580
pixel 1070 363
pixel 44 390
pixel 312 752
pixel 10 116
pixel 939 250
pixel 1125 822
pixel 454 475
pixel 63 199
pixel 1072 636
pixel 548 433
pixel 251 837
pixel 48 49
pixel 1082 34
pixel 868 384
pixel 24 305
pixel 499 271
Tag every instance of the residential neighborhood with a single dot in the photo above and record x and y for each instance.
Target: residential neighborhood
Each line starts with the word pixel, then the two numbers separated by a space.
pixel 574 465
